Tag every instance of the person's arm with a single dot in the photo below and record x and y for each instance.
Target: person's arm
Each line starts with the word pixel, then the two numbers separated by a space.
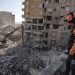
pixel 72 50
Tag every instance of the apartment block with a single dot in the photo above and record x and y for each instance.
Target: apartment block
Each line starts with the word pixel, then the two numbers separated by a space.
pixel 55 10
pixel 43 20
pixel 6 19
pixel 34 19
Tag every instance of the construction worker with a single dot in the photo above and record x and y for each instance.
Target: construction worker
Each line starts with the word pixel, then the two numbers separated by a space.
pixel 70 62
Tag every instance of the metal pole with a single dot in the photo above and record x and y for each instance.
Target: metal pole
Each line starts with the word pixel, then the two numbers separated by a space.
pixel 22 35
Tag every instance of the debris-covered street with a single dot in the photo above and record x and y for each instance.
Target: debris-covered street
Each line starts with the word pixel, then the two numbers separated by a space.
pixel 19 60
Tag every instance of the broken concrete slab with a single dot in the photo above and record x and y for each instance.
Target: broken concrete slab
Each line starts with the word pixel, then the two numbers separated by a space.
pixel 51 69
pixel 54 66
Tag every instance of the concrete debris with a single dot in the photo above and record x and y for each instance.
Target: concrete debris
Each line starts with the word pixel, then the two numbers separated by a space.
pixel 1 37
pixel 7 29
pixel 19 60
pixel 13 65
pixel 38 63
pixel 16 36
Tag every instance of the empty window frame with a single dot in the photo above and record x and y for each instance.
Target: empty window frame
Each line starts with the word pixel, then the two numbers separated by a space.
pixel 49 17
pixel 55 26
pixel 56 1
pixel 34 20
pixel 40 21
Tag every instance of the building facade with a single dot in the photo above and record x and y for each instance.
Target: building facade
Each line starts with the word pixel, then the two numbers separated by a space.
pixel 6 19
pixel 43 20
pixel 34 19
pixel 55 10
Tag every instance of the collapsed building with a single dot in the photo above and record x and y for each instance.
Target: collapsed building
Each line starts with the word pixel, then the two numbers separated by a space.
pixel 6 19
pixel 8 26
pixel 7 22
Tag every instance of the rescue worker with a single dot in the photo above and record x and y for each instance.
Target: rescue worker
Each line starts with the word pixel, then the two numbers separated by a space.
pixel 70 62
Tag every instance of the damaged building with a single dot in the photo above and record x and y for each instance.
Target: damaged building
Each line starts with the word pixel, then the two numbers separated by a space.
pixel 8 27
pixel 6 19
pixel 43 20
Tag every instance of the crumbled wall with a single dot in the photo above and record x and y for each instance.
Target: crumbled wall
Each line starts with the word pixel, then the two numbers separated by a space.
pixel 6 18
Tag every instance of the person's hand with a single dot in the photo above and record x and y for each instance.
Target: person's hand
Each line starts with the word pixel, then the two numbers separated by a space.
pixel 72 50
pixel 74 31
pixel 71 53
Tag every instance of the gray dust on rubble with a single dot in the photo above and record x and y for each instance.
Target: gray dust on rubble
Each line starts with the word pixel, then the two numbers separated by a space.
pixel 20 60
pixel 13 65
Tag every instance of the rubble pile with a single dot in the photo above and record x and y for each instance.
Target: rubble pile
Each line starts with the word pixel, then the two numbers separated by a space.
pixel 19 60
pixel 16 36
pixel 13 65
pixel 38 64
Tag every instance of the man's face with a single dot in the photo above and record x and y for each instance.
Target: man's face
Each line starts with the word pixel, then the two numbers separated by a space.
pixel 70 20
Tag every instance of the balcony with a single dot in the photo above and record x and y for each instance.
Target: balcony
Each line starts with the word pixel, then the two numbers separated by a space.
pixel 47 22
pixel 34 31
pixel 23 16
pixel 23 9
pixel 48 14
pixel 45 30
pixel 23 3
pixel 57 4
pixel 37 24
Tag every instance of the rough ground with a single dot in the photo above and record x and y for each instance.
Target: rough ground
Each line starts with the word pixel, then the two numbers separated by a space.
pixel 18 60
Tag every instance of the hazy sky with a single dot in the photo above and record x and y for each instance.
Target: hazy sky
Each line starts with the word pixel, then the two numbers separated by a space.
pixel 14 6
